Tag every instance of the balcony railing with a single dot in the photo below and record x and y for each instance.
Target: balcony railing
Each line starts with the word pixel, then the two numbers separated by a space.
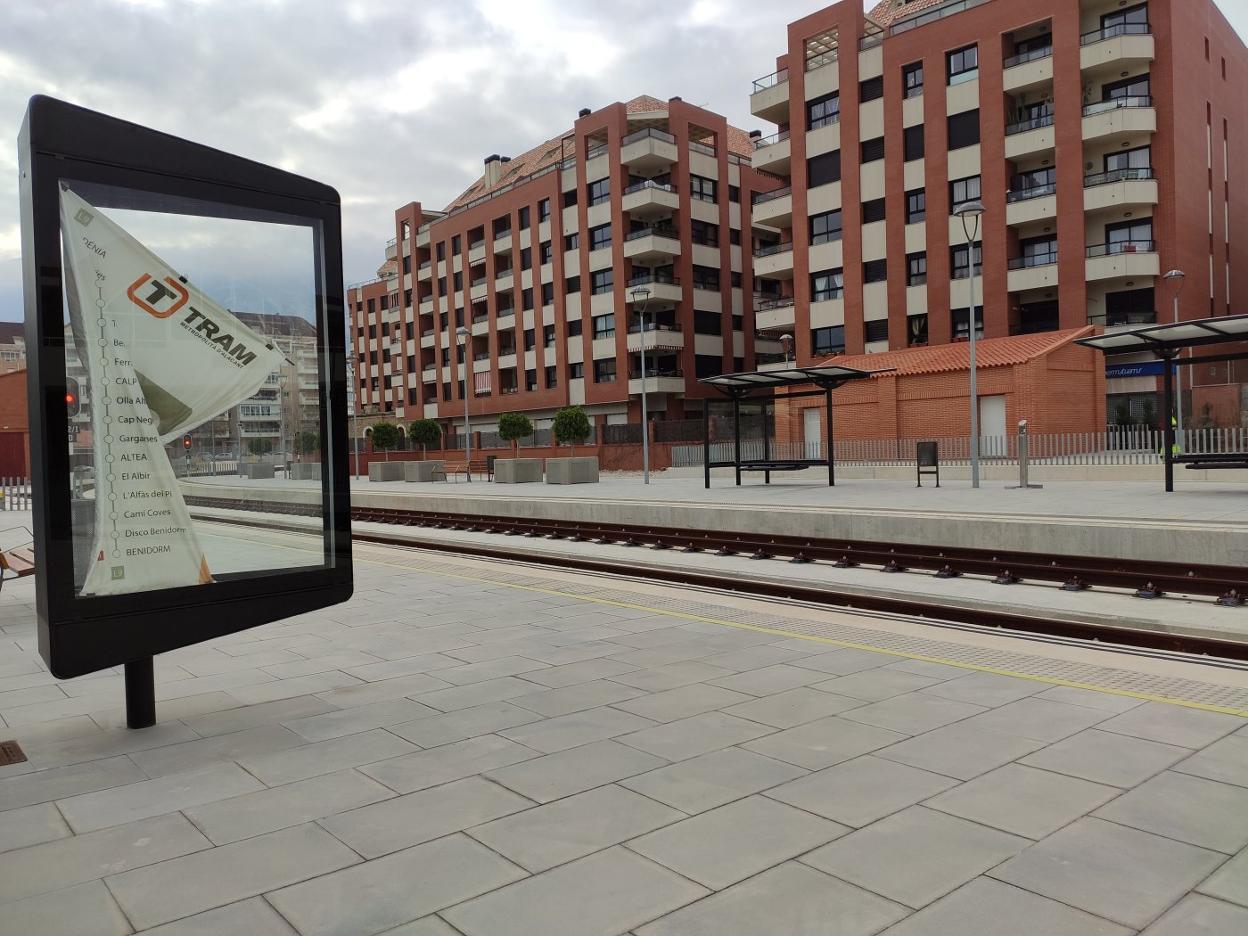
pixel 1111 32
pixel 931 16
pixel 653 327
pixel 762 197
pixel 1121 247
pixel 1030 192
pixel 650 184
pixel 1118 175
pixel 479 281
pixel 870 42
pixel 1047 258
pixel 826 121
pixel 481 356
pixel 704 148
pixel 772 249
pixel 598 150
pixel 1141 317
pixel 1104 107
pixel 778 137
pixel 476 245
pixel 643 279
pixel 765 305
pixel 648 132
pixel 658 230
pixel 770 81
pixel 1035 123
pixel 1024 57
pixel 499 235
pixel 661 372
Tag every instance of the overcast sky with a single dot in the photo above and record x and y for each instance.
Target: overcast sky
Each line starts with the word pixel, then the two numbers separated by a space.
pixel 386 101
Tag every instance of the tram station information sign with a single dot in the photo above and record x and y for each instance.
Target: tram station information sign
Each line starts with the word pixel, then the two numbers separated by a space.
pixel 185 327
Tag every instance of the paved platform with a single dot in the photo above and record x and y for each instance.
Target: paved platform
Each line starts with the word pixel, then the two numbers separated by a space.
pixel 480 748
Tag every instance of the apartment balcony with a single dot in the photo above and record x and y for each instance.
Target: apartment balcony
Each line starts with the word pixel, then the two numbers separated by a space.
pixel 1118 48
pixel 663 287
pixel 476 252
pixel 774 314
pixel 478 289
pixel 507 359
pixel 431 411
pixel 260 432
pixel 1029 137
pixel 481 363
pixel 1121 117
pixel 429 375
pixel 422 235
pixel 1038 271
pixel 655 338
pixel 648 200
pixel 648 150
pixel 652 244
pixel 1108 191
pixel 392 248
pixel 669 380
pixel 774 209
pixel 1129 259
pixel 770 97
pixel 425 271
pixel 771 153
pixel 427 340
pixel 505 320
pixel 1027 71
pixel 426 305
pixel 1036 203
pixel 774 262
pixel 502 242
pixel 504 280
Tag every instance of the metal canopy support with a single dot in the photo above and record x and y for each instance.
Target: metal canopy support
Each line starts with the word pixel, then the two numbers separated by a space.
pixel 1167 408
pixel 766 445
pixel 736 435
pixel 827 403
pixel 706 444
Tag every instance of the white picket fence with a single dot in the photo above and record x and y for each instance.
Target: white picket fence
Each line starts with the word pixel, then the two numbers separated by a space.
pixel 15 494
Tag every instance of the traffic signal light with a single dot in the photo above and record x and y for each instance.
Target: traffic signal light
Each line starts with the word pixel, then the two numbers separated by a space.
pixel 73 401
pixel 186 442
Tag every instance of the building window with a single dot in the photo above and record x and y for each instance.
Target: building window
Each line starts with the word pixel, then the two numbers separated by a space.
pixel 446 392
pixel 823 111
pixel 960 318
pixel 823 169
pixel 601 281
pixel 569 198
pixel 545 252
pixel 442 320
pixel 576 371
pixel 548 293
pixel 962 191
pixel 1132 307
pixel 1129 236
pixel 734 236
pixel 441 251
pixel 572 241
pixel 827 341
pixel 959 263
pixel 1038 251
pixel 873 210
pixel 916 268
pixel 872 149
pixel 574 328
pixel 441 288
pixel 912 79
pixel 530 380
pixel 701 188
pixel 1133 19
pixel 707 323
pixel 734 194
pixel 913 143
pixel 572 285
pixel 1139 158
pixel 916 206
pixel 455 246
pixel 916 331
pixel 407 298
pixel 604 325
pixel 548 335
pixel 523 218
pixel 459 281
pixel 526 297
pixel 963 64
pixel 526 258
pixel 735 279
pixel 825 227
pixel 600 237
pixel 705 277
pixel 875 271
pixel 703 232
pixel 875 330
pixel 871 89
pixel 543 210
pixel 1138 86
pixel 826 284
pixel 599 191
pixel 530 339
pixel 552 376
pixel 964 129
pixel 604 371
pixel 407 263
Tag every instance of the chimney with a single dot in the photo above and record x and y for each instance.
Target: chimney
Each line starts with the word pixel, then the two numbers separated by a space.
pixel 677 98
pixel 493 170
pixel 583 112
pixel 756 134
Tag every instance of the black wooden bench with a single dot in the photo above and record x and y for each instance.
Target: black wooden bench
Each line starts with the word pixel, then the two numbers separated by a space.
pixel 775 466
pixel 1222 462
pixel 16 563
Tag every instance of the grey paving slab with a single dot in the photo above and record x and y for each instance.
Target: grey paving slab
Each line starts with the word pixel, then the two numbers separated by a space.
pixel 672 675
pixel 31 825
pixel 1190 809
pixel 89 811
pixel 290 688
pixel 875 684
pixel 429 926
pixel 194 755
pixel 492 690
pixel 960 750
pixel 825 742
pixel 1173 724
pixel 573 827
pixel 1109 870
pixel 916 856
pixel 104 744
pixel 68 861
pixel 792 899
pixel 794 707
pixel 690 737
pixel 400 888
pixel 252 917
pixel 227 874
pixel 682 702
pixel 1195 915
pixel 552 702
pixel 913 713
pixel 1230 882
pixel 553 776
pixel 602 895
pixel 711 780
pixel 753 659
pixel 573 674
pixel 1225 760
pixel 770 679
pixel 416 818
pixel 730 843
pixel 1038 719
pixel 359 718
pixel 454 761
pixel 489 669
pixel 1105 701
pixel 569 731
pixel 322 757
pixel 295 803
pixel 989 908
pixel 463 724
pixel 1107 757
pixel 930 668
pixel 1023 800
pixel 405 666
pixel 844 662
pixel 860 791
pixel 362 693
pixel 265 713
pixel 83 910
pixel 987 689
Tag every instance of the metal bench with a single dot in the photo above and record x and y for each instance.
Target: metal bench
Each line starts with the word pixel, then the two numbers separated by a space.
pixel 775 466
pixel 1221 462
pixel 18 562
pixel 484 466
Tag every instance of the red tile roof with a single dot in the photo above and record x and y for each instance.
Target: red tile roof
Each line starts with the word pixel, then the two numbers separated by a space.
pixel 989 352
pixel 889 11
pixel 11 330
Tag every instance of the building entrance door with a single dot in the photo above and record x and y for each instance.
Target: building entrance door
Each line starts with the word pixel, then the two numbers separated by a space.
pixel 811 433
pixel 992 440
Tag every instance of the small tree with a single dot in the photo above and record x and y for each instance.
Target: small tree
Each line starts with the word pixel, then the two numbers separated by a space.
pixel 513 427
pixel 307 442
pixel 571 426
pixel 426 432
pixel 259 446
pixel 385 436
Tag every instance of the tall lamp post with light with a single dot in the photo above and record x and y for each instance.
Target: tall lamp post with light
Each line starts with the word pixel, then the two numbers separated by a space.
pixel 1176 278
pixel 970 214
pixel 461 336
pixel 642 295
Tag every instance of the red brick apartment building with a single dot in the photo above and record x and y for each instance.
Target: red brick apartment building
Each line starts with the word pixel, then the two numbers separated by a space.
pixel 1105 138
pixel 539 259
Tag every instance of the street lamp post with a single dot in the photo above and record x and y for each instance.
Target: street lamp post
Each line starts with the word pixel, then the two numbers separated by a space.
pixel 461 335
pixel 1176 277
pixel 970 213
pixel 642 295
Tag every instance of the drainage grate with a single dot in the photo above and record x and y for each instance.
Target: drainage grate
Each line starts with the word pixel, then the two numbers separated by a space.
pixel 11 753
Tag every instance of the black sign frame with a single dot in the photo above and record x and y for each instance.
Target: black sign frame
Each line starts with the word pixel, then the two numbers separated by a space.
pixel 78 634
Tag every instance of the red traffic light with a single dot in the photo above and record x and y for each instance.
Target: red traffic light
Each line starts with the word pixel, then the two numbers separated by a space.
pixel 72 399
pixel 186 442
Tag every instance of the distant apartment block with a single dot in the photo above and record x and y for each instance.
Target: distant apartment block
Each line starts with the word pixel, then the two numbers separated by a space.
pixel 12 347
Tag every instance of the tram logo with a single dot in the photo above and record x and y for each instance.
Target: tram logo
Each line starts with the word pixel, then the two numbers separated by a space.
pixel 165 297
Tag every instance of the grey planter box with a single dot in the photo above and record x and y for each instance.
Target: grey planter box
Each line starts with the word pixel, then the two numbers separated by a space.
pixel 386 471
pixel 579 470
pixel 256 472
pixel 422 470
pixel 517 470
pixel 305 471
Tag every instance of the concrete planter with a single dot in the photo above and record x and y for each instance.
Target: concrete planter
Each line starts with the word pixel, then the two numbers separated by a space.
pixel 386 471
pixel 422 470
pixel 518 470
pixel 256 472
pixel 305 471
pixel 579 470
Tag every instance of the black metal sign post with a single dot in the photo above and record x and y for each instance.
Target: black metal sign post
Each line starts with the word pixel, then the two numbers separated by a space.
pixel 172 285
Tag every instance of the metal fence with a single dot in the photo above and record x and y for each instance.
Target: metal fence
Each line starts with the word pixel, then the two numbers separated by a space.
pixel 15 494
